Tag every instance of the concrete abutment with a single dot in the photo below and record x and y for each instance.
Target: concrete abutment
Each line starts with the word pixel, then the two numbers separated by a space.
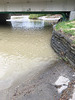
pixel 72 15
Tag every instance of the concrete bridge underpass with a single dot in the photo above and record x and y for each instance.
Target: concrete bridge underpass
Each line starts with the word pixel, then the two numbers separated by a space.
pixel 65 7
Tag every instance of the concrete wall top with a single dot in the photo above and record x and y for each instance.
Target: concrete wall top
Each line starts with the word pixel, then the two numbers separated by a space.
pixel 36 5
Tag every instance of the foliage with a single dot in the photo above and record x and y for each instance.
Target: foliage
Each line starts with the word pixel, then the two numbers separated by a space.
pixel 66 27
pixel 35 16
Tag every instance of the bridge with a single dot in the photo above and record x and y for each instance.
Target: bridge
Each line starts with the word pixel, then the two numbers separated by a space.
pixel 33 6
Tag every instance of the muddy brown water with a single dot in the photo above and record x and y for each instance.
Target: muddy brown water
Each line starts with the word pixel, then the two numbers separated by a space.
pixel 24 48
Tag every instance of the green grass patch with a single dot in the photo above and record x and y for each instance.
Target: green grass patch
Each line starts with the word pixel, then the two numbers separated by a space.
pixel 67 27
pixel 35 16
pixel 73 41
pixel 71 32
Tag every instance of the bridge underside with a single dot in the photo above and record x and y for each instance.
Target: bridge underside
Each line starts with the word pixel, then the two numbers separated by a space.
pixel 6 15
pixel 36 5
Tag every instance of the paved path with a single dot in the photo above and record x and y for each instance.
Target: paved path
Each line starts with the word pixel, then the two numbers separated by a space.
pixel 50 84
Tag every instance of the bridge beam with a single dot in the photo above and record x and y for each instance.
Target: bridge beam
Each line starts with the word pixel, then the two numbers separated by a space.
pixel 72 15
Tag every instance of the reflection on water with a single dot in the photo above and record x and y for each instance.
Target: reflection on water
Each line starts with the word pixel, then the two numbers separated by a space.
pixel 24 48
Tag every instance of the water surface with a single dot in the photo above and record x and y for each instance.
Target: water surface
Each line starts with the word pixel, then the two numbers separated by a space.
pixel 24 48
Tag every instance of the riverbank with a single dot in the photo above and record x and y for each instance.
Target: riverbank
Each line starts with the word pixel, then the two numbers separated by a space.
pixel 51 83
pixel 63 44
pixel 63 41
pixel 68 29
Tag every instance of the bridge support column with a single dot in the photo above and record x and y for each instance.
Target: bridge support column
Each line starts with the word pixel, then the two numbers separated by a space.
pixel 72 15
pixel 3 18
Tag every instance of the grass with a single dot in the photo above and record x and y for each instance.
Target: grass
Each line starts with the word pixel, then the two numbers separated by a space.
pixel 73 41
pixel 35 16
pixel 67 28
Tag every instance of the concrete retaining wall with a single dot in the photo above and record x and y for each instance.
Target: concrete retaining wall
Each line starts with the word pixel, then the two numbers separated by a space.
pixel 63 47
pixel 72 15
